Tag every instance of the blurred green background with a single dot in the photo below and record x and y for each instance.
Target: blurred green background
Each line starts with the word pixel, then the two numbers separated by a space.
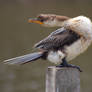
pixel 17 37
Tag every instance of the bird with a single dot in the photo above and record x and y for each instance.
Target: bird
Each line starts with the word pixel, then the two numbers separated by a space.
pixel 72 38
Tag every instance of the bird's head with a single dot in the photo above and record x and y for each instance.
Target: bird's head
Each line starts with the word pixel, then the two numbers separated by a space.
pixel 49 20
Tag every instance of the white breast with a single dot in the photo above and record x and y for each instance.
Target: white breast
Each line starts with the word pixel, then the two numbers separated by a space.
pixel 77 48
pixel 83 26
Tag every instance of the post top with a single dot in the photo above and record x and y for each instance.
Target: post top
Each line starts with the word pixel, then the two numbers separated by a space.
pixel 61 68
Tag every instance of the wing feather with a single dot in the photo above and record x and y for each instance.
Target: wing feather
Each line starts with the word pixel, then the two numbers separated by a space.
pixel 58 39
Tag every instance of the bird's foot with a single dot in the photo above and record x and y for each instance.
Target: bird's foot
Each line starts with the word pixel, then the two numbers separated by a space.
pixel 70 66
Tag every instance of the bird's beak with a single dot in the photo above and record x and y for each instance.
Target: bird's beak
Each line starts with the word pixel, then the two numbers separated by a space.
pixel 34 21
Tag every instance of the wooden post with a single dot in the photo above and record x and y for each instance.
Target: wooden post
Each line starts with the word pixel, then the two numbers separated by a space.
pixel 62 79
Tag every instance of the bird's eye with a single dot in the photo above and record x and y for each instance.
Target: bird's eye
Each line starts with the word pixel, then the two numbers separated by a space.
pixel 40 18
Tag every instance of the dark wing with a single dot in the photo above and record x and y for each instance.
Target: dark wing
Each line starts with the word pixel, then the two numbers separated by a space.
pixel 58 39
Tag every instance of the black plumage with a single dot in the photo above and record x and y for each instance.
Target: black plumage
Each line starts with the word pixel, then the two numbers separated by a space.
pixel 58 39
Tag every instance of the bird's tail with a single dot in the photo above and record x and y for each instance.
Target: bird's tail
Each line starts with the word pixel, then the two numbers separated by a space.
pixel 24 59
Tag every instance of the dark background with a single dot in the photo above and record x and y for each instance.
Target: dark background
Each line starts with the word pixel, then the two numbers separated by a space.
pixel 17 37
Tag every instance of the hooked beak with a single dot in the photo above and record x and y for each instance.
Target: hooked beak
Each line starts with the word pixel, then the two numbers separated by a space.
pixel 34 21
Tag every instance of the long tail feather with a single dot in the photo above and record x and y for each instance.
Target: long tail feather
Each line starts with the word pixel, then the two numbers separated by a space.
pixel 24 59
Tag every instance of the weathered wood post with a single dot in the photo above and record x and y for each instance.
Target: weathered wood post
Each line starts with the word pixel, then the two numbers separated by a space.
pixel 62 80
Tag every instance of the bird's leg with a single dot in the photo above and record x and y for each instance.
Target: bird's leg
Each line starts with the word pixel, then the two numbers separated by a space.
pixel 65 64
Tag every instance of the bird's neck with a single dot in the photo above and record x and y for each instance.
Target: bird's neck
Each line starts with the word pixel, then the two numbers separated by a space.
pixel 61 23
pixel 81 25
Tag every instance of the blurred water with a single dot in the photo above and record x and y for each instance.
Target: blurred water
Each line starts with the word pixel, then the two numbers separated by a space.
pixel 17 37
